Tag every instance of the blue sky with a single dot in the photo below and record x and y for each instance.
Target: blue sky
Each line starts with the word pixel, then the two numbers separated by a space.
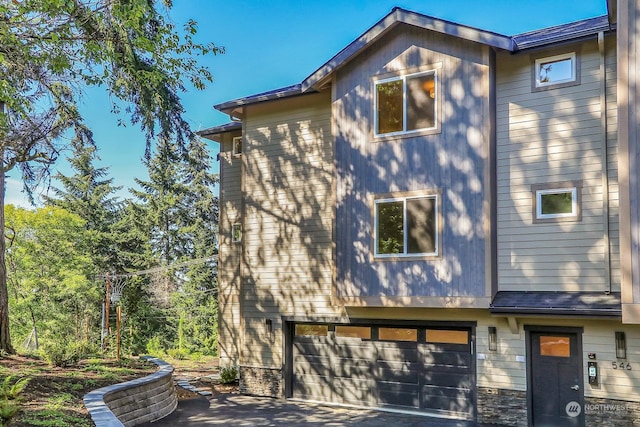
pixel 271 44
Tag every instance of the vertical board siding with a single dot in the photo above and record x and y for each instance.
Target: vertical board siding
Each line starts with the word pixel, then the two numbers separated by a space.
pixel 452 161
pixel 229 254
pixel 288 220
pixel 555 136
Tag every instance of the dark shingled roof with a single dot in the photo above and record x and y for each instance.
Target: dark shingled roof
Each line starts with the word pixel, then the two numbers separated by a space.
pixel 217 130
pixel 284 92
pixel 561 33
pixel 566 303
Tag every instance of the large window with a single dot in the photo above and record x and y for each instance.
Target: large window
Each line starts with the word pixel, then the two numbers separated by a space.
pixel 406 226
pixel 556 70
pixel 405 104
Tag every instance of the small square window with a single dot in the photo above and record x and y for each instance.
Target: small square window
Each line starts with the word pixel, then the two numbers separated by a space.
pixel 405 104
pixel 554 203
pixel 406 226
pixel 237 146
pixel 236 233
pixel 556 70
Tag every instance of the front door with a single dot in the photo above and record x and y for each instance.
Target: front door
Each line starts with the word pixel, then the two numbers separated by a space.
pixel 557 397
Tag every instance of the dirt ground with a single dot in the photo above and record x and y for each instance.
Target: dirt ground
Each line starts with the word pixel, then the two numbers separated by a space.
pixel 53 396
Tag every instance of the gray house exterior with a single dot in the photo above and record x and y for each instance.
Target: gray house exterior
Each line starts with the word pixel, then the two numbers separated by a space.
pixel 441 220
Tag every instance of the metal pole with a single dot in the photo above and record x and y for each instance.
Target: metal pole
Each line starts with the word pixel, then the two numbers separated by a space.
pixel 118 321
pixel 102 329
pixel 107 292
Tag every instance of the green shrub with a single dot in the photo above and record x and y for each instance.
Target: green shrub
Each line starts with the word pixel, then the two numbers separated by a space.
pixel 10 391
pixel 228 374
pixel 61 355
pixel 178 353
pixel 9 394
pixel 154 347
pixel 8 409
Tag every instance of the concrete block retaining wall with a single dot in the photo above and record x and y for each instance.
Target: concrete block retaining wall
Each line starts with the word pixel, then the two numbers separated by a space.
pixel 134 402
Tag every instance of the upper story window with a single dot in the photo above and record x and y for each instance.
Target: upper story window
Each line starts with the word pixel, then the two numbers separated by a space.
pixel 405 104
pixel 236 233
pixel 557 202
pixel 406 226
pixel 556 70
pixel 237 146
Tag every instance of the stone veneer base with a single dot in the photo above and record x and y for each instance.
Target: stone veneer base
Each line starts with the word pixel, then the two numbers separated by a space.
pixel 261 381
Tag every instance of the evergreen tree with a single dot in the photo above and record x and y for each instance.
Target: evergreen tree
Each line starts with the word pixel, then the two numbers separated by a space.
pixel 53 50
pixel 90 195
pixel 162 204
pixel 198 299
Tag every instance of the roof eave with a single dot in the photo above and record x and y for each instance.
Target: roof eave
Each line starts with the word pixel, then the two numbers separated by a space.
pixel 232 107
pixel 215 133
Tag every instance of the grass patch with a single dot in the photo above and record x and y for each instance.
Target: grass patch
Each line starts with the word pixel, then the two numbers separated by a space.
pixel 60 401
pixel 55 418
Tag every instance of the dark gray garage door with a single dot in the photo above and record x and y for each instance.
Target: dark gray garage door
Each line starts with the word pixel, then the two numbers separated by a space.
pixel 427 369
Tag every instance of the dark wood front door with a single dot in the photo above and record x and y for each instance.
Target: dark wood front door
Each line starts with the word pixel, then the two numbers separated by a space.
pixel 557 397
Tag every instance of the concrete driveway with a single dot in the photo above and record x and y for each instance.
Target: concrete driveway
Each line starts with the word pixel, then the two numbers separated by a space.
pixel 240 410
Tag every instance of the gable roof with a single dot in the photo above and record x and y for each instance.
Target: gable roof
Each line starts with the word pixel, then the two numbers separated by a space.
pixel 397 16
pixel 401 16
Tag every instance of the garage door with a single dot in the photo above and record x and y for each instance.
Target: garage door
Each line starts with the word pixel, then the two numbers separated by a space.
pixel 427 368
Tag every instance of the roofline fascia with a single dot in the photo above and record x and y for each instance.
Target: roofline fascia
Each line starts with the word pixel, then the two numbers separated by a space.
pixel 559 312
pixel 228 107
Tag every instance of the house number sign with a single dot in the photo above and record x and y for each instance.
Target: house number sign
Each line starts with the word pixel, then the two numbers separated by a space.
pixel 621 365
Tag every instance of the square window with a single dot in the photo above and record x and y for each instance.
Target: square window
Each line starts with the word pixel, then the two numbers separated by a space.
pixel 236 233
pixel 406 226
pixel 554 203
pixel 237 146
pixel 555 70
pixel 405 104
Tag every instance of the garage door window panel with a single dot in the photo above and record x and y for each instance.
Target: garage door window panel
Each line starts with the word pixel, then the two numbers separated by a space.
pixel 312 330
pixel 398 334
pixel 362 332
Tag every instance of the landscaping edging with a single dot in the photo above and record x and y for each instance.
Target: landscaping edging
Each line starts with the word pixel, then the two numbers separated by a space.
pixel 134 402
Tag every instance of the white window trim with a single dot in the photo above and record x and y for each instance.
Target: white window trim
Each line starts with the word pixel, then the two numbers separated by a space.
pixel 574 202
pixel 404 200
pixel 540 61
pixel 235 153
pixel 404 100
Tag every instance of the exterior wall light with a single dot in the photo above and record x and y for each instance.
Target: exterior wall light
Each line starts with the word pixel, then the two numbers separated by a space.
pixel 621 345
pixel 493 338
pixel 269 324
